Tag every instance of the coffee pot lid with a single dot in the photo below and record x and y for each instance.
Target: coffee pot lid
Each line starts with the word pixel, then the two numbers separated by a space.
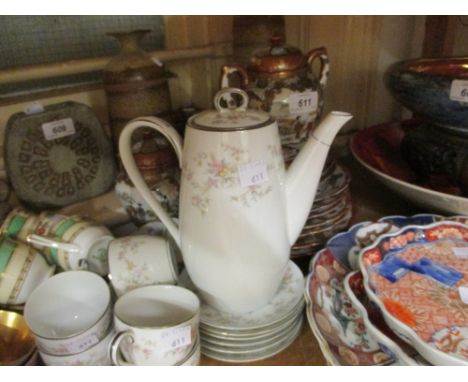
pixel 229 116
pixel 277 58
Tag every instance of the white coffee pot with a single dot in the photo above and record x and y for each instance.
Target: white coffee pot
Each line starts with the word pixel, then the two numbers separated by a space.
pixel 239 210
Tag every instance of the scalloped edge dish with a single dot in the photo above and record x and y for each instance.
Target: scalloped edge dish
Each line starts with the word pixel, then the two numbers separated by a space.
pixel 392 244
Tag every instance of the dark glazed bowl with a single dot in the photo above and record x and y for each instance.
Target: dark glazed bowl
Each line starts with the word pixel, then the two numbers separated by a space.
pixel 423 86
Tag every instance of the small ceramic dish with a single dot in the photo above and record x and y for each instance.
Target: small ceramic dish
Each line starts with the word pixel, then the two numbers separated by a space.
pixel 423 303
pixel 16 341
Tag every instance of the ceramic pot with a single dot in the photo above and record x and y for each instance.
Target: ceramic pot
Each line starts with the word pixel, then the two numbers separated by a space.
pixel 135 84
pixel 280 80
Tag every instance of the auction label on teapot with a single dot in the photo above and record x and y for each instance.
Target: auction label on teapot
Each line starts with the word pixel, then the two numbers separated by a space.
pixel 172 339
pixel 58 129
pixel 305 102
pixel 253 173
pixel 459 90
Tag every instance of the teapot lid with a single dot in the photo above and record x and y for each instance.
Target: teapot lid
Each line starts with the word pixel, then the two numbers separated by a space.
pixel 278 58
pixel 230 117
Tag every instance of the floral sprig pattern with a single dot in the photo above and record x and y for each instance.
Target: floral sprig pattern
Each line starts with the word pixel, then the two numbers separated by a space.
pixel 208 172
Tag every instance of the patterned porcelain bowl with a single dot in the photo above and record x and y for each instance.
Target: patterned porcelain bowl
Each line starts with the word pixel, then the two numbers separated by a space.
pixel 433 88
pixel 338 324
pixel 416 277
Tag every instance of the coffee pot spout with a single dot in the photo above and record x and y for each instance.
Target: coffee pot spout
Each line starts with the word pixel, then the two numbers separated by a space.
pixel 303 175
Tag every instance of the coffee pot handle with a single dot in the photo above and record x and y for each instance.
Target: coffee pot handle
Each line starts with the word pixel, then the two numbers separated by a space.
pixel 125 149
pixel 322 55
pixel 227 70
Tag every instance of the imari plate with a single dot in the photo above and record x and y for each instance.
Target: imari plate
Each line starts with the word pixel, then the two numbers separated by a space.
pixel 329 308
pixel 417 277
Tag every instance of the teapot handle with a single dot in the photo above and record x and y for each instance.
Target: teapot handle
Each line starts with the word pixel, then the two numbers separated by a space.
pixel 226 70
pixel 125 149
pixel 322 55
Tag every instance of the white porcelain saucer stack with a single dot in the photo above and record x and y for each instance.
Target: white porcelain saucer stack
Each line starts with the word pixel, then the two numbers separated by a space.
pixel 331 212
pixel 255 335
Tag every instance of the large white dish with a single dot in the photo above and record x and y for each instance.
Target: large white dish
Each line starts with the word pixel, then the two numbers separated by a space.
pixel 424 197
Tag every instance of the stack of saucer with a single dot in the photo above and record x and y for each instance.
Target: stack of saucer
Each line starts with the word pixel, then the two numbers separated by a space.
pixel 331 212
pixel 255 335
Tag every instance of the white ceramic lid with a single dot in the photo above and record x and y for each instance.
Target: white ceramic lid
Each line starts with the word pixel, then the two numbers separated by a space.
pixel 228 116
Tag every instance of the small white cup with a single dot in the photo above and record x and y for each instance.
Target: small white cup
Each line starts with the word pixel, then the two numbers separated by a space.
pixel 141 260
pixel 69 313
pixel 157 326
pixel 96 355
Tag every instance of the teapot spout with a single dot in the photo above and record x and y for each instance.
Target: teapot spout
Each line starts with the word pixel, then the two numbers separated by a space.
pixel 303 175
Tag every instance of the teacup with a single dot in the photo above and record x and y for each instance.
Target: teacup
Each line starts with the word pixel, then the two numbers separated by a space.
pixel 141 260
pixel 19 223
pixel 22 270
pixel 73 243
pixel 157 325
pixel 69 313
pixel 96 355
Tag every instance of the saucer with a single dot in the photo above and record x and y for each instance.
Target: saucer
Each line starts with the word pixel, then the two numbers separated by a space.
pixel 280 306
pixel 253 334
pixel 258 354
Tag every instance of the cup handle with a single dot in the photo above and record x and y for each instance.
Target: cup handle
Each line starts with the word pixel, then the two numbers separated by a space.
pixel 322 55
pixel 114 349
pixel 47 242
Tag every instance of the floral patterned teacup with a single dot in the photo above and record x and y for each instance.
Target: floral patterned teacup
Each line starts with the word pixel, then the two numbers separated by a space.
pixel 69 313
pixel 96 355
pixel 141 260
pixel 157 325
